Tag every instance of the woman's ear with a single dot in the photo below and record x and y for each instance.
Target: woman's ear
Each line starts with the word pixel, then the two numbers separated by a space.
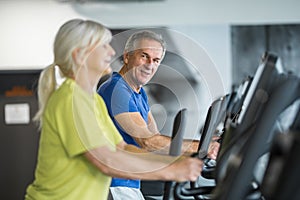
pixel 77 56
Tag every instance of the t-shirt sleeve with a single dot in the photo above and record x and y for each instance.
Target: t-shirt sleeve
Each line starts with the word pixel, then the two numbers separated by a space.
pixel 87 126
pixel 122 100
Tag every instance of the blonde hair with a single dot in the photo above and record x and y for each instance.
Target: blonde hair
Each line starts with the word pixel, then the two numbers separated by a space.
pixel 75 33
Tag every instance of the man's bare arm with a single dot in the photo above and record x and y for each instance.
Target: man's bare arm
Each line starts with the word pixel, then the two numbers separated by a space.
pixel 147 135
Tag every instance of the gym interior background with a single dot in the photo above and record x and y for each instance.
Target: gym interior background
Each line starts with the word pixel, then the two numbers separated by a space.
pixel 234 35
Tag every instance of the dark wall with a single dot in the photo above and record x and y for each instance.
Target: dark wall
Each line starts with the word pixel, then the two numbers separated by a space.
pixel 18 138
pixel 250 42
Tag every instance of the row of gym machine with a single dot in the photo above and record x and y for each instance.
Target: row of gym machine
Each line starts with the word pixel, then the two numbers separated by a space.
pixel 258 155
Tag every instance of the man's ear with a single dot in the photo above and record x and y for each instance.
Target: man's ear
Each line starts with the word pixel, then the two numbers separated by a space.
pixel 125 58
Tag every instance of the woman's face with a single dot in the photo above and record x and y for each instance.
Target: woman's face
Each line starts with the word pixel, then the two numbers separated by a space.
pixel 100 58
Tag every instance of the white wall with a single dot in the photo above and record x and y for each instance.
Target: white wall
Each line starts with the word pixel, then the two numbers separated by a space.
pixel 28 27
pixel 215 40
pixel 27 32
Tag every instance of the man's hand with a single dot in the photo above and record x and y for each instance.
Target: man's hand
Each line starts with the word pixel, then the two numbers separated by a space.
pixel 214 147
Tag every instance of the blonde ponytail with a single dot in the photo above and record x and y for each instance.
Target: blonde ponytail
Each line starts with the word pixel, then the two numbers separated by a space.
pixel 46 86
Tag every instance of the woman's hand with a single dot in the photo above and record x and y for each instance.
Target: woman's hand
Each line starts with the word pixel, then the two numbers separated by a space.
pixel 185 169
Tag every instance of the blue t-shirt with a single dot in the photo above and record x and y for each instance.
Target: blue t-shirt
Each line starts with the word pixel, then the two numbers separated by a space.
pixel 119 97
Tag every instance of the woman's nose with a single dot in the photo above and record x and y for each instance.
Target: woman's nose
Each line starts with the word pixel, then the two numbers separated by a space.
pixel 112 52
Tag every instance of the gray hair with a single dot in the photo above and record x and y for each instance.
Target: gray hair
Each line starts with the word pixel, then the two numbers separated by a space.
pixel 136 37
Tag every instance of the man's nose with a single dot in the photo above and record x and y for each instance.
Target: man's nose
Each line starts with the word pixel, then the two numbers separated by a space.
pixel 150 63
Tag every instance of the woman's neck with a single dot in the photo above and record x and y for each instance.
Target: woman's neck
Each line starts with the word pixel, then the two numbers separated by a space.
pixel 86 80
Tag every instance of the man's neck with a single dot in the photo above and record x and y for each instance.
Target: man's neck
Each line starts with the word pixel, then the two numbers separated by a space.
pixel 126 76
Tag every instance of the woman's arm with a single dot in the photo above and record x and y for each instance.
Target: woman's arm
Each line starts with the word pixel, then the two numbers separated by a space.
pixel 139 164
